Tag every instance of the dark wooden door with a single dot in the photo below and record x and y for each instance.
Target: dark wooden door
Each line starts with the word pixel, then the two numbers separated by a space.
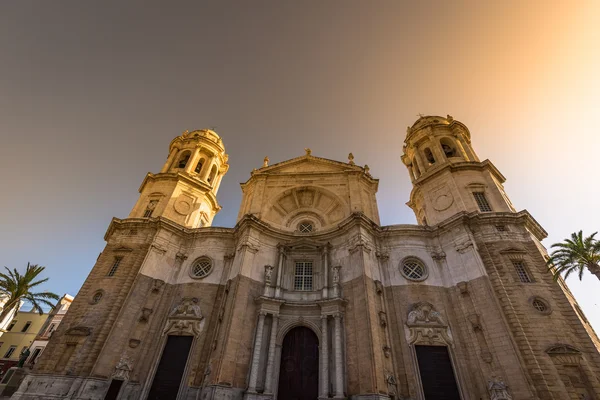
pixel 299 372
pixel 437 375
pixel 170 368
pixel 113 389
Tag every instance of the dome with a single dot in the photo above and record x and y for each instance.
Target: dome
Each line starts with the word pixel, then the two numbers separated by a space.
pixel 434 120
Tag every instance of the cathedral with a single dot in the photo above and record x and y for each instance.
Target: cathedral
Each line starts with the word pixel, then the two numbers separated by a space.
pixel 310 297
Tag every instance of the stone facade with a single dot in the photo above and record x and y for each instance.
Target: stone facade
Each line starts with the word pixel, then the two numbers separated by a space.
pixel 469 283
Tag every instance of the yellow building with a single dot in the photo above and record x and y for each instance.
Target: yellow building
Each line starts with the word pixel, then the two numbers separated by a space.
pixel 20 333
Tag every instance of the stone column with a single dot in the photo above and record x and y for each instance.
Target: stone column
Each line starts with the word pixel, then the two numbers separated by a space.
pixel 167 165
pixel 279 273
pixel 438 151
pixel 256 354
pixel 339 377
pixel 192 161
pixel 271 356
pixel 324 358
pixel 468 150
pixel 206 168
pixel 419 161
pixel 325 270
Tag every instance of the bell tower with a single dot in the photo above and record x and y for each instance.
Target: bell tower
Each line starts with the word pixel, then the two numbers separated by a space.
pixel 185 190
pixel 446 173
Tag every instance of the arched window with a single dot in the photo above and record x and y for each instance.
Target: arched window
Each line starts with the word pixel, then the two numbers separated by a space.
pixel 199 166
pixel 449 148
pixel 183 160
pixel 213 174
pixel 429 156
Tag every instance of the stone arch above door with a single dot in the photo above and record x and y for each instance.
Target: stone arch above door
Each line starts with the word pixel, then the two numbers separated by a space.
pixel 286 325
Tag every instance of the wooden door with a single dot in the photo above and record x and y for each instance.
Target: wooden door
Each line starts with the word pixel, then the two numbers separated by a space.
pixel 437 374
pixel 170 368
pixel 299 372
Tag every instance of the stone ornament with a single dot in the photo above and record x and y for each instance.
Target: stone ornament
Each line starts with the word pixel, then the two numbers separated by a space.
pixel 443 199
pixel 382 319
pixel 133 343
pixel 351 159
pixel 426 325
pixel 185 318
pixel 123 368
pixel 268 274
pixel 336 275
pixel 145 316
pixel 498 390
pixel 463 247
pixel 378 287
pixel 387 351
pixel 157 284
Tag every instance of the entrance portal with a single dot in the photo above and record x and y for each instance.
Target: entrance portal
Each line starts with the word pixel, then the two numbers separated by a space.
pixel 437 375
pixel 170 368
pixel 299 372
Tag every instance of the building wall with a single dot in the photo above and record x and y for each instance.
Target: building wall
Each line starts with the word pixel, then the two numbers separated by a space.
pixel 368 315
pixel 21 340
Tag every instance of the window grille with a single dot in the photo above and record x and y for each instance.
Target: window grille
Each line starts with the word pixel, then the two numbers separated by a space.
pixel 201 267
pixel 539 305
pixel 114 267
pixel 413 270
pixel 522 272
pixel 482 202
pixel 305 227
pixel 303 279
pixel 97 297
pixel 501 228
pixel 150 208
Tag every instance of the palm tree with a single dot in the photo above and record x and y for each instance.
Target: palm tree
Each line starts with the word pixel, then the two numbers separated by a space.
pixel 15 288
pixel 575 255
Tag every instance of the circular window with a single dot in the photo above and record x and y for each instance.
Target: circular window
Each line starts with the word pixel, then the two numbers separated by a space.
pixel 540 306
pixel 305 227
pixel 97 297
pixel 201 267
pixel 414 270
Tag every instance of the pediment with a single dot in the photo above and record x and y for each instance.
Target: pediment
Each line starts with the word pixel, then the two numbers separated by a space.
pixel 308 164
pixel 304 244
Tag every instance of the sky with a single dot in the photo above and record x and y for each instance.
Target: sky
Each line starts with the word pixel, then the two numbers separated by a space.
pixel 91 94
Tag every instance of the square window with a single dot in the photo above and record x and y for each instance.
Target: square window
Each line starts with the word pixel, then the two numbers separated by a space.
pixel 482 202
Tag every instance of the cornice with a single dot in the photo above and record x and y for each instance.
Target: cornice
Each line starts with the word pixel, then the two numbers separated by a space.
pixel 460 166
pixel 357 219
pixel 181 177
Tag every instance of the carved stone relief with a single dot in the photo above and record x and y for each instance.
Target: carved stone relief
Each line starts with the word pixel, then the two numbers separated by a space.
pixel 426 325
pixel 498 390
pixel 123 368
pixel 185 318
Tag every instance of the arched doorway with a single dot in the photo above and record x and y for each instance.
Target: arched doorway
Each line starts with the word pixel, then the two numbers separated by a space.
pixel 299 372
